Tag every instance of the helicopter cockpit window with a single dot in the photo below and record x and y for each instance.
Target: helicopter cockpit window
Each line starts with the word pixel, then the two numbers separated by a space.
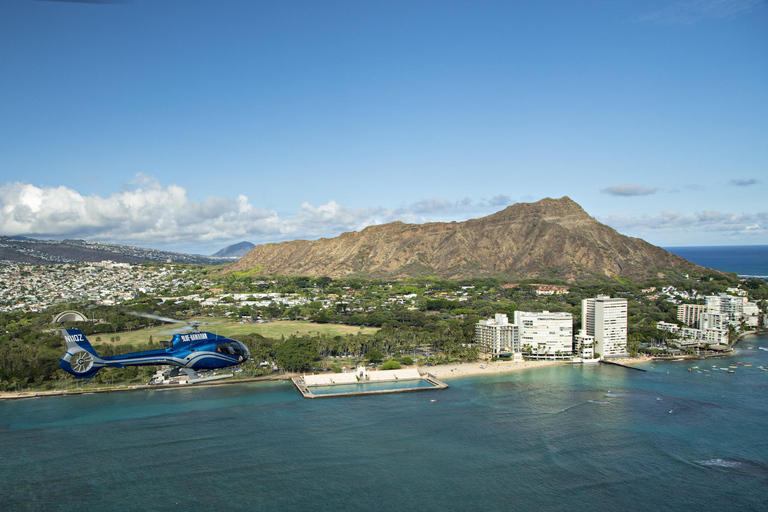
pixel 232 349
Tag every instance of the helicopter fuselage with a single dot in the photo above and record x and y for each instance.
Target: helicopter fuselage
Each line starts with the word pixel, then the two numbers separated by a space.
pixel 199 351
pixel 196 350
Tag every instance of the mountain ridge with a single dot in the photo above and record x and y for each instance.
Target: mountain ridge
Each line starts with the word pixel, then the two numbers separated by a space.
pixel 549 238
pixel 47 252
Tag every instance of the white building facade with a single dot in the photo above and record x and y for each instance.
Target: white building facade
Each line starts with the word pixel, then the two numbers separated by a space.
pixel 605 318
pixel 713 331
pixel 732 307
pixel 499 338
pixel 690 314
pixel 584 346
pixel 545 335
pixel 751 314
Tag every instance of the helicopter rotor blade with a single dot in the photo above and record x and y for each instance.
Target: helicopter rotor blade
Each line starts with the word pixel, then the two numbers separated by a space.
pixel 178 330
pixel 157 317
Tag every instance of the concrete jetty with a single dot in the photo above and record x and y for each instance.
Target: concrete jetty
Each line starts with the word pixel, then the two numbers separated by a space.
pixel 604 361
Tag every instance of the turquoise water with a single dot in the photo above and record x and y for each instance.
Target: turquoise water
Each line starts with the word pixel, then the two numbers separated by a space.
pixel 361 387
pixel 593 437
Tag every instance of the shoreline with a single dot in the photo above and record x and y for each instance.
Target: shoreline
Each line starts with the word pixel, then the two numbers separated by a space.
pixel 444 371
pixel 749 333
pixel 13 395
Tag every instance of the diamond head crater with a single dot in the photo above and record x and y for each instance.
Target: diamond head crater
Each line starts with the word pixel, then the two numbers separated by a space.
pixel 551 238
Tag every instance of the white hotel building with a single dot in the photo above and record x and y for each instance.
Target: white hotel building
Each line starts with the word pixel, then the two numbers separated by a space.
pixel 499 338
pixel 728 305
pixel 542 335
pixel 546 334
pixel 605 318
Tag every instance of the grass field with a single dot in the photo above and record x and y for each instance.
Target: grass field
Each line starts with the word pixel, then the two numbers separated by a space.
pixel 226 328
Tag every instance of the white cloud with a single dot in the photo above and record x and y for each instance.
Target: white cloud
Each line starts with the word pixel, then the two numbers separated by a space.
pixel 629 189
pixel 146 213
pixel 714 223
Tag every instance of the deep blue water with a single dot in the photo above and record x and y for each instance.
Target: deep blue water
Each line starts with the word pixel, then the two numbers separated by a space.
pixel 745 260
pixel 593 437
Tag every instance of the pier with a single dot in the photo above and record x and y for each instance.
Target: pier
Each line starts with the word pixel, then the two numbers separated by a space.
pixel 623 365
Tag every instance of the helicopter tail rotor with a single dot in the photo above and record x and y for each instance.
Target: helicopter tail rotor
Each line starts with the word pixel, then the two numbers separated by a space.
pixel 81 359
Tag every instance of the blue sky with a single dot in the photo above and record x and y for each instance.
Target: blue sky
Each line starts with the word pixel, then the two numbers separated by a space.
pixel 189 125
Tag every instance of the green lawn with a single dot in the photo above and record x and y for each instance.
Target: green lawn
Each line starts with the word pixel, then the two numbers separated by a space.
pixel 224 327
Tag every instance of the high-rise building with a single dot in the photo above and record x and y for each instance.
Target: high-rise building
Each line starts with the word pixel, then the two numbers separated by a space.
pixel 498 338
pixel 545 334
pixel 605 318
pixel 690 314
pixel 729 305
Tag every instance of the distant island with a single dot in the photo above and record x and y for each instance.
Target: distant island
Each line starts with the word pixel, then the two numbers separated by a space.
pixel 234 251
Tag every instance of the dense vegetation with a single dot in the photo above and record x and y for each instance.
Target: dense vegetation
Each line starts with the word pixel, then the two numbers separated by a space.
pixel 440 329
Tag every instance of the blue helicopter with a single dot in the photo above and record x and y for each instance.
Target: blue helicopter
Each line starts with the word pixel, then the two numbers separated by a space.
pixel 189 353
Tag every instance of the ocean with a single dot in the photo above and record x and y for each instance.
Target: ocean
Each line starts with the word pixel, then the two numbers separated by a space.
pixel 745 260
pixel 572 437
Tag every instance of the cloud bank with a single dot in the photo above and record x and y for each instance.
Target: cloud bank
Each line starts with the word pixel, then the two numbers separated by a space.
pixel 149 214
pixel 710 221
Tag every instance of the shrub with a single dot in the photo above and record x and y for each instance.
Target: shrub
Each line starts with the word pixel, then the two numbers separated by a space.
pixel 391 365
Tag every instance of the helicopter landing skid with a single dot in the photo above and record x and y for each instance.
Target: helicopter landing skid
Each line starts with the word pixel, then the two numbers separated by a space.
pixel 196 378
pixel 172 377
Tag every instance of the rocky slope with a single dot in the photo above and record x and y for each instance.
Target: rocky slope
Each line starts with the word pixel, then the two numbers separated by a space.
pixel 549 238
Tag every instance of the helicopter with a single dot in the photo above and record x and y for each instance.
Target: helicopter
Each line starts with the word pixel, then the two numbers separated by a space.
pixel 189 353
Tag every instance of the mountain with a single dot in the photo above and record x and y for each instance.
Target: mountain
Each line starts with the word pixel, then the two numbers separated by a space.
pixel 42 252
pixel 234 251
pixel 552 238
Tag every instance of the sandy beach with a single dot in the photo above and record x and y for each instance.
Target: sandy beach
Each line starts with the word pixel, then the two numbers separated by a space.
pixel 447 371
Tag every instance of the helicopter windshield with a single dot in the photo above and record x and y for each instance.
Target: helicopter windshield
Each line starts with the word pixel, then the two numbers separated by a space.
pixel 232 348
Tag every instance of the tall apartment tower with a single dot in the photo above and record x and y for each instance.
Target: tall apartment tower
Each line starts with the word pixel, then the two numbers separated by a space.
pixel 728 305
pixel 547 334
pixel 606 319
pixel 690 314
